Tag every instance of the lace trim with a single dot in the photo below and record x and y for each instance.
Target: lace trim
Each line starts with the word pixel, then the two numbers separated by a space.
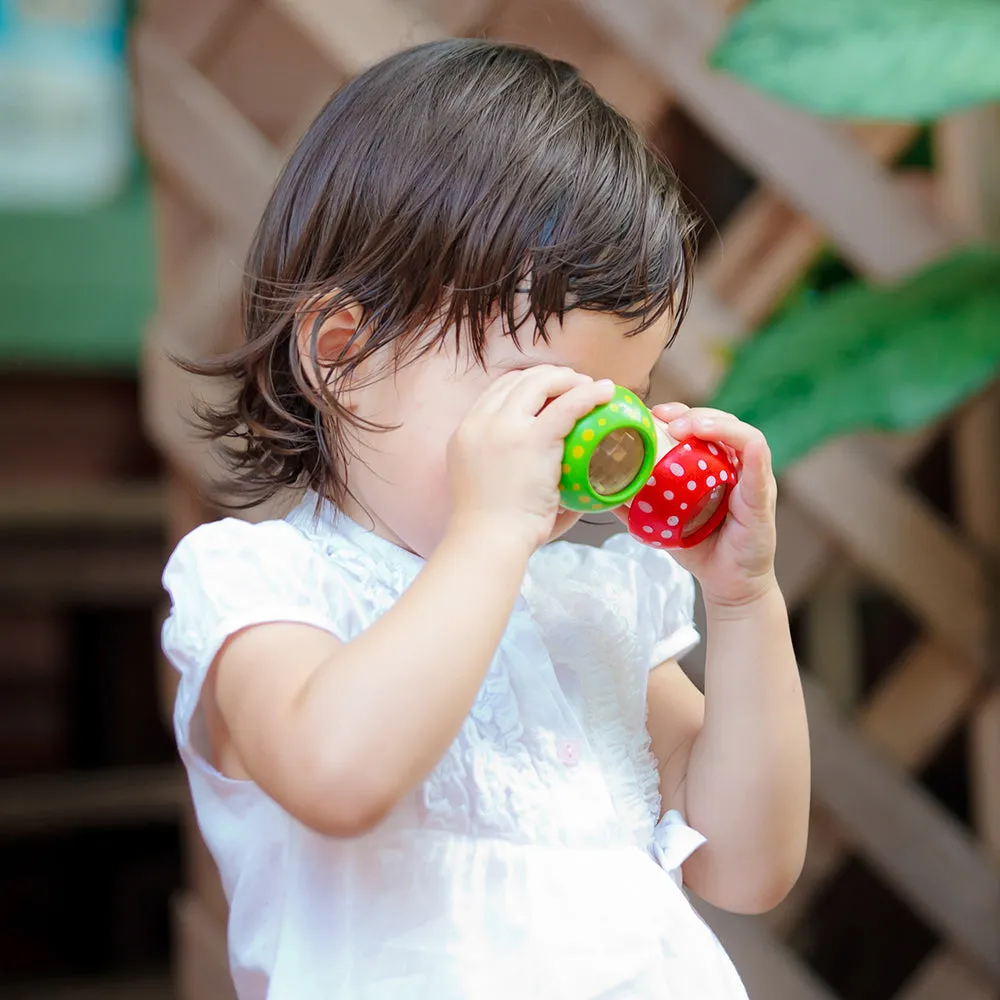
pixel 613 699
pixel 600 649
pixel 472 787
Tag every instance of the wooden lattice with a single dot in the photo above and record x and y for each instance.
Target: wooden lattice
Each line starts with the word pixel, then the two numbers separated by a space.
pixel 224 89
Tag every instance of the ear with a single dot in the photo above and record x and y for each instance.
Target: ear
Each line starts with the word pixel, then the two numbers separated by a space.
pixel 332 339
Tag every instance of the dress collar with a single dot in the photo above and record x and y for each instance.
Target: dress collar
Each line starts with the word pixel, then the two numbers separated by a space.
pixel 318 516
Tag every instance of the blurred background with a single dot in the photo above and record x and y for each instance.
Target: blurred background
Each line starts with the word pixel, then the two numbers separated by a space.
pixel 844 160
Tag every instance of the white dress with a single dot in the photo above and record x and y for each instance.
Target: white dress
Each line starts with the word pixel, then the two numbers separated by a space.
pixel 530 864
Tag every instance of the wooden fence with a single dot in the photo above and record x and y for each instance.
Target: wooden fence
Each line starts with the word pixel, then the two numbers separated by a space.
pixel 225 88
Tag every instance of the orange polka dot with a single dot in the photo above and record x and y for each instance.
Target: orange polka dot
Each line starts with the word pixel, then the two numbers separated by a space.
pixel 577 453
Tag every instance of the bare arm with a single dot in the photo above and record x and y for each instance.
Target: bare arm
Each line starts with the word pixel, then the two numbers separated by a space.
pixel 740 776
pixel 338 733
pixel 736 763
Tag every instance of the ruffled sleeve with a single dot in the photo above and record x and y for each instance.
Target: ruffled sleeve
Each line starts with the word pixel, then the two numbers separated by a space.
pixel 665 598
pixel 231 574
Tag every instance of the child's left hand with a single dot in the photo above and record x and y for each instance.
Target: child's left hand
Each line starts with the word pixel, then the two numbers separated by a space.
pixel 735 564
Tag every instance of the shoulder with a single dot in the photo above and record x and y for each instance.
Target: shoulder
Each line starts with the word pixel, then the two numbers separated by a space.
pixel 229 574
pixel 231 547
pixel 233 563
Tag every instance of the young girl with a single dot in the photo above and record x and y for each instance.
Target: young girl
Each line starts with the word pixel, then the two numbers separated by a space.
pixel 434 756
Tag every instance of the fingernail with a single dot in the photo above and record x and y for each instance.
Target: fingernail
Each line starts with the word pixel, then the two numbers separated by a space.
pixel 606 383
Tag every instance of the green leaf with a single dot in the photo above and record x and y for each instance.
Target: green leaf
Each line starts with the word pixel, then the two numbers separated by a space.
pixel 871 358
pixel 887 59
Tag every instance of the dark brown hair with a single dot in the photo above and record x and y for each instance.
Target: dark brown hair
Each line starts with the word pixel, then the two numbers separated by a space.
pixel 431 190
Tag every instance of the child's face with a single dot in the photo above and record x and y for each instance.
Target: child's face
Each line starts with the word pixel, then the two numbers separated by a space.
pixel 400 479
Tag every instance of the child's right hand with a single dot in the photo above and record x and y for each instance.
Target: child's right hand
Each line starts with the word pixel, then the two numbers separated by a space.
pixel 505 457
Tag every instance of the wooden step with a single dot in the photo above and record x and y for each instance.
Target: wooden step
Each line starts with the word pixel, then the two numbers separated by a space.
pixel 145 988
pixel 81 571
pixel 129 796
pixel 82 543
pixel 104 506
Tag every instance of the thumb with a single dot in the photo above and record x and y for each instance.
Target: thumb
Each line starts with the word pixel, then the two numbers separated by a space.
pixel 756 483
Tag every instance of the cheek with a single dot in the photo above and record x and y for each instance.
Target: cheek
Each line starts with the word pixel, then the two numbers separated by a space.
pixel 406 481
pixel 426 474
pixel 409 486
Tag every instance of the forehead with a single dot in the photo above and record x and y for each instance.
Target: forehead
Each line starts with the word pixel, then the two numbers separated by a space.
pixel 601 345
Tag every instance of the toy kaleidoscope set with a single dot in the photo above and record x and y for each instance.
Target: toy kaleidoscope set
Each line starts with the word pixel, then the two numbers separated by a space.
pixel 620 455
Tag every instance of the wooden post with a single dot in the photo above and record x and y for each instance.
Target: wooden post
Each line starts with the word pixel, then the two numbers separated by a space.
pixel 833 635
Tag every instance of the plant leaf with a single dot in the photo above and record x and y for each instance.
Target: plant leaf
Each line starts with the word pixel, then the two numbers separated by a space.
pixel 871 358
pixel 886 59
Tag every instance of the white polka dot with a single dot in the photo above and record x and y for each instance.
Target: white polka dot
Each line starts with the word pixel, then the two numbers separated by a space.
pixel 672 521
pixel 648 529
pixel 657 545
pixel 651 481
pixel 710 481
pixel 668 494
pixel 713 449
pixel 692 485
pixel 666 534
pixel 684 506
pixel 723 475
pixel 687 447
pixel 646 508
pixel 703 465
pixel 677 469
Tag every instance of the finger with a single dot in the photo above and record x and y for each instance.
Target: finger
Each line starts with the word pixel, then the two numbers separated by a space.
pixel 541 384
pixel 498 391
pixel 670 411
pixel 714 425
pixel 561 415
pixel 756 483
